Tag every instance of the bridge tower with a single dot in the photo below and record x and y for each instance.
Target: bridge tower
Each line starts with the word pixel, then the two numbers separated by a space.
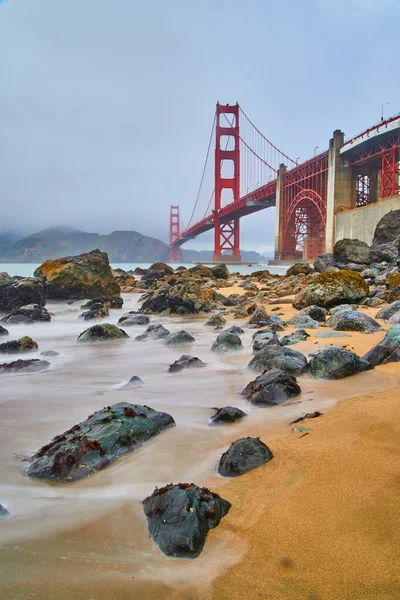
pixel 174 233
pixel 227 233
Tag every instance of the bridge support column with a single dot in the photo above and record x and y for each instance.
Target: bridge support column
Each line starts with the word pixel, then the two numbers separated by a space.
pixel 278 215
pixel 339 187
pixel 174 233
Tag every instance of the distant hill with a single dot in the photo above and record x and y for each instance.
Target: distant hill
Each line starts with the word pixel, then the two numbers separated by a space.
pixel 121 246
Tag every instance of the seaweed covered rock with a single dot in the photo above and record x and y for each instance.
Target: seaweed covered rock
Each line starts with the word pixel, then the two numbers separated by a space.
pixel 386 351
pixel 351 251
pixel 227 343
pixel 351 320
pixel 279 357
pixel 227 414
pixel 17 292
pixel 179 338
pixel 102 333
pixel 163 267
pixel 31 313
pixel 243 456
pixel 133 318
pixel 24 344
pixel 216 321
pixel 184 297
pixel 186 362
pixel 87 275
pixel 180 516
pixel 331 288
pixel 272 387
pixel 335 363
pixel 294 338
pixel 394 334
pixel 98 441
pixel 24 366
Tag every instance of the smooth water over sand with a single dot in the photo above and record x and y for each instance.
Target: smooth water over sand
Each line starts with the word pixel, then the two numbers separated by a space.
pixel 89 539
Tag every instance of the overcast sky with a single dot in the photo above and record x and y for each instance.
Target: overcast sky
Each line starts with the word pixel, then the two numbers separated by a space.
pixel 106 105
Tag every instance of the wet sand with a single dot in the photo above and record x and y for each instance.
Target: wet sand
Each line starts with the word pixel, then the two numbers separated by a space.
pixel 320 522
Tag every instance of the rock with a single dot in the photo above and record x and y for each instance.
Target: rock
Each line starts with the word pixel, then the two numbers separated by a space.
pixel 132 318
pixel 27 314
pixel 394 334
pixel 140 271
pixel 24 366
pixel 351 320
pixel 260 318
pixel 243 456
pixel 323 262
pixel 220 272
pixel 134 381
pixel 3 331
pixel 180 516
pixel 279 357
pixel 227 343
pixel 87 275
pixel 388 229
pixel 95 443
pixel 15 293
pixel 394 319
pixel 331 288
pixel 186 362
pixel 298 268
pixel 216 321
pixel 235 329
pixel 342 308
pixel 330 334
pixel 393 281
pixel 184 297
pixel 49 353
pixel 156 332
pixel 123 278
pixel 159 266
pixel 202 271
pixel 271 388
pixel 294 338
pixel 98 311
pixel 386 351
pixel 227 414
pixel 351 251
pixel 370 273
pixel 24 344
pixel 335 363
pixel 3 512
pixel 303 321
pixel 102 333
pixel 108 302
pixel 264 338
pixel 394 294
pixel 180 338
pixel 388 252
pixel 315 312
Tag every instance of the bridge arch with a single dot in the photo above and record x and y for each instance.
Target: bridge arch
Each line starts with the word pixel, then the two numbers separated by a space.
pixel 304 225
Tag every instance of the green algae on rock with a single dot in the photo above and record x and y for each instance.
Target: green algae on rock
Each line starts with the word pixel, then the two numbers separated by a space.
pixel 102 333
pixel 24 344
pixel 332 288
pixel 95 443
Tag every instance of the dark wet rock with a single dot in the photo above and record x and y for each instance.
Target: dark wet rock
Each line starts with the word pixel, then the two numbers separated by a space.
pixel 24 366
pixel 323 262
pixel 227 414
pixel 180 338
pixel 332 288
pixel 342 308
pixel 27 314
pixel 102 333
pixel 394 294
pixel 385 252
pixel 17 292
pixel 49 353
pixel 156 332
pixel 133 318
pixel 87 275
pixel 243 456
pixel 24 344
pixel 3 512
pixel 140 271
pixel 303 322
pixel 93 444
pixel 260 318
pixel 279 357
pixel 186 362
pixel 298 268
pixel 142 337
pixel 388 228
pixel 98 311
pixel 216 321
pixel 272 387
pixel 107 301
pixel 264 338
pixel 351 251
pixel 351 320
pixel 330 334
pixel 335 363
pixel 318 313
pixel 227 343
pixel 3 331
pixel 180 516
pixel 294 338
pixel 220 272
pixel 235 329
pixel 134 381
pixel 394 334
pixel 386 351
pixel 394 319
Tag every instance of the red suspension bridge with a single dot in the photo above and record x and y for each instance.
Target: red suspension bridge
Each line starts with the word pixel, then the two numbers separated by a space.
pixel 249 173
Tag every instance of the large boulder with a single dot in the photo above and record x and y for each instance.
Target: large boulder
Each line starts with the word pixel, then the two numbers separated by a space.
pixel 102 333
pixel 32 313
pixel 270 388
pixel 98 441
pixel 336 362
pixel 243 456
pixel 227 343
pixel 163 267
pixel 24 344
pixel 15 293
pixel 351 320
pixel 180 516
pixel 279 357
pixel 87 275
pixel 24 366
pixel 351 251
pixel 227 414
pixel 332 288
pixel 184 297
pixel 388 229
pixel 388 252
